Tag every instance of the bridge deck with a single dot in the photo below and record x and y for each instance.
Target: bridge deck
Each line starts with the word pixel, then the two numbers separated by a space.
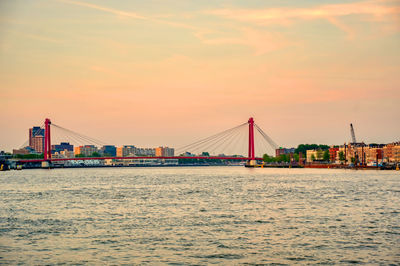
pixel 138 158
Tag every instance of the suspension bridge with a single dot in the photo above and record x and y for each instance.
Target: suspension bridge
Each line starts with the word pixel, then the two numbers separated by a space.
pixel 245 137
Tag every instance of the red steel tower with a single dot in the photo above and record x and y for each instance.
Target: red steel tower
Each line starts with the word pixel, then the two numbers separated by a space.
pixel 251 139
pixel 47 142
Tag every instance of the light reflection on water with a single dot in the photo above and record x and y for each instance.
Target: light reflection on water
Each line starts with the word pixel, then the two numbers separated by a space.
pixel 199 215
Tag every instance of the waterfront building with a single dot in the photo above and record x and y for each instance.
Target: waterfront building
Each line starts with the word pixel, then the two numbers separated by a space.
pixel 62 146
pixel 67 154
pixel 343 149
pixel 131 150
pixel 164 152
pixel 36 139
pixel 333 152
pixel 126 151
pixel 108 150
pixel 314 155
pixel 141 162
pixel 396 153
pixel 63 154
pixel 361 153
pixel 188 154
pixel 22 151
pixel 373 154
pixel 346 149
pixel 86 150
pixel 56 155
pixel 145 152
pixel 282 151
pixel 35 131
pixel 390 152
pixel 37 143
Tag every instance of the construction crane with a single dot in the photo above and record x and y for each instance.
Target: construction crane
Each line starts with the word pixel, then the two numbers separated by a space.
pixel 353 136
pixel 355 144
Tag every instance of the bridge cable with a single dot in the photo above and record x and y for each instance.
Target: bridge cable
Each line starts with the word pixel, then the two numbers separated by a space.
pixel 225 148
pixel 225 140
pixel 222 138
pixel 266 137
pixel 82 137
pixel 199 142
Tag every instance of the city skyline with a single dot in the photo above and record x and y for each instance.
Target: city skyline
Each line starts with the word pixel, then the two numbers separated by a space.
pixel 357 153
pixel 74 142
pixel 174 73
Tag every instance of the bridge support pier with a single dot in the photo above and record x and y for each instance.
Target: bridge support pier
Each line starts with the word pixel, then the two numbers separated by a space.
pixel 251 163
pixel 46 164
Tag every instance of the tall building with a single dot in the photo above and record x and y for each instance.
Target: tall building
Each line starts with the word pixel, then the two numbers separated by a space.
pixel 126 151
pixel 164 152
pixel 36 139
pixel 109 150
pixel 35 131
pixel 86 150
pixel 62 146
pixel 38 144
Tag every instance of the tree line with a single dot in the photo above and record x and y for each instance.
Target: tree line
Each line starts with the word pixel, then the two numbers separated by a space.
pixel 322 152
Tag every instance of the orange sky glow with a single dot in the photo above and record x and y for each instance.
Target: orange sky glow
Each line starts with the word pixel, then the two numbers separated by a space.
pixel 152 73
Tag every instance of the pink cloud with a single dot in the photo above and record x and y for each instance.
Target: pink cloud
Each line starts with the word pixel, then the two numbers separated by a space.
pixel 282 15
pixel 375 10
pixel 105 9
pixel 261 42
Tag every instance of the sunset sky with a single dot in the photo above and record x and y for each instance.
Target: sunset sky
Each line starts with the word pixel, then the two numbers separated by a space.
pixel 169 72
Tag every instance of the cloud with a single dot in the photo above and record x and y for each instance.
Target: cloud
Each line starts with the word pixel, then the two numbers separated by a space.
pixel 105 9
pixel 283 15
pixel 260 41
pixel 374 10
pixel 121 13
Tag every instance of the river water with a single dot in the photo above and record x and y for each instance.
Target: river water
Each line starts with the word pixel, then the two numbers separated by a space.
pixel 199 215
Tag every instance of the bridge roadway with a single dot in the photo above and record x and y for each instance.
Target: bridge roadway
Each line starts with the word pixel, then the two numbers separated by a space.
pixel 140 157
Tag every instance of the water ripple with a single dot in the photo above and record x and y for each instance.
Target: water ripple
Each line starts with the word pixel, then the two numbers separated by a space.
pixel 198 216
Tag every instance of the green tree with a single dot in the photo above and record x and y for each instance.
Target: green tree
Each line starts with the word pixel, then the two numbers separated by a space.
pixel 267 158
pixel 80 155
pixel 283 158
pixel 96 154
pixel 28 156
pixel 326 156
pixel 204 153
pixel 323 147
pixel 312 157
pixel 341 156
pixel 320 154
pixel 304 147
